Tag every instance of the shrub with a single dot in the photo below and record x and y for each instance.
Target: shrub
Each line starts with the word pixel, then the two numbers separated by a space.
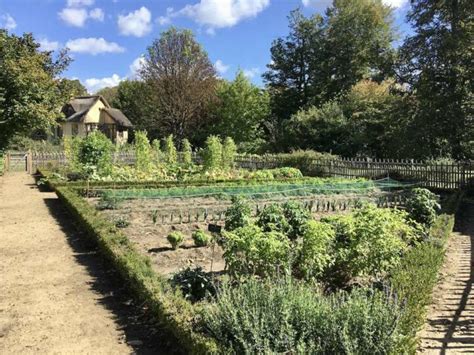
pixel 315 252
pixel 186 152
pixel 422 205
pixel 297 216
pixel 249 250
pixel 229 150
pixel 212 153
pixel 293 318
pixel 157 153
pixel 121 222
pixel 200 238
pixel 370 241
pixel 238 214
pixel 290 173
pixel 272 218
pixel 71 151
pixel 175 239
pixel 109 202
pixel 95 154
pixel 143 157
pixel 169 150
pixel 195 284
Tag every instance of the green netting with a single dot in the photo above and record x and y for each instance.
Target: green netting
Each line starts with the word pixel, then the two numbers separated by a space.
pixel 311 187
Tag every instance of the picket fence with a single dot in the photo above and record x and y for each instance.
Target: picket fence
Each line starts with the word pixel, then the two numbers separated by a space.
pixel 448 176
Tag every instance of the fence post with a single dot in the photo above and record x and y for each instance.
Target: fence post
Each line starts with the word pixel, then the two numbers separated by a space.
pixel 29 162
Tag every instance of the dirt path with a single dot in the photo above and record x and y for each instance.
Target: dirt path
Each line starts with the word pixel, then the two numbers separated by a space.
pixel 450 326
pixel 55 293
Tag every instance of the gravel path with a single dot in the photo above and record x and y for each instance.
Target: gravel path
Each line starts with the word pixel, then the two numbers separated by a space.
pixel 450 325
pixel 56 294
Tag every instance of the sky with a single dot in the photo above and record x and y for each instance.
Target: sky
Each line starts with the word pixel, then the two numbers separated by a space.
pixel 107 38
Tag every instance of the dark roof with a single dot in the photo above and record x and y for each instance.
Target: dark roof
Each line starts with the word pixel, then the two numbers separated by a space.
pixel 78 116
pixel 76 109
pixel 119 117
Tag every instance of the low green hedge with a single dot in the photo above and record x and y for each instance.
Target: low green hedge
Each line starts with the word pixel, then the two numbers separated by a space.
pixel 169 306
pixel 414 278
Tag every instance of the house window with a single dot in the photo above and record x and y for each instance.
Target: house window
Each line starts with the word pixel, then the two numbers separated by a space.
pixel 75 129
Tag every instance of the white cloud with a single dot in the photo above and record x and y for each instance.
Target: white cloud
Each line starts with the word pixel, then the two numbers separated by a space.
pixel 47 45
pixel 218 13
pixel 93 46
pixel 97 14
pixel 95 84
pixel 74 17
pixel 250 73
pixel 166 20
pixel 79 3
pixel 221 67
pixel 395 3
pixel 136 23
pixel 7 22
pixel 136 66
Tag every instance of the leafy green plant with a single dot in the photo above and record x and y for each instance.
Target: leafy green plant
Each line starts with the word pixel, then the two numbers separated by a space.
pixel 95 154
pixel 200 238
pixel 194 283
pixel 143 154
pixel 109 202
pixel 71 151
pixel 212 153
pixel 297 216
pixel 423 206
pixel 315 252
pixel 238 214
pixel 229 150
pixel 154 216
pixel 289 173
pixel 121 222
pixel 186 152
pixel 288 317
pixel 250 251
pixel 175 239
pixel 169 150
pixel 272 218
pixel 156 149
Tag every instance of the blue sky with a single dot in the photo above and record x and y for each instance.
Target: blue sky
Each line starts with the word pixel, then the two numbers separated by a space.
pixel 107 38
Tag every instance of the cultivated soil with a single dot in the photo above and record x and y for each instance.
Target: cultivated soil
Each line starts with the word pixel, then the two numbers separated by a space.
pixel 450 322
pixel 57 295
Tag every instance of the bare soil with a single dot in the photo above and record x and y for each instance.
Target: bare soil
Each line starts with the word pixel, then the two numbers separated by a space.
pixel 450 322
pixel 57 295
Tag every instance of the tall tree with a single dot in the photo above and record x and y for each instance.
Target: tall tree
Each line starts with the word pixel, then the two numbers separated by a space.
pixel 108 93
pixel 240 111
pixel 28 89
pixel 183 81
pixel 437 64
pixel 69 88
pixel 324 56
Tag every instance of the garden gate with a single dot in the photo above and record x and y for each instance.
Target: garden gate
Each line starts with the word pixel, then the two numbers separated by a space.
pixel 16 161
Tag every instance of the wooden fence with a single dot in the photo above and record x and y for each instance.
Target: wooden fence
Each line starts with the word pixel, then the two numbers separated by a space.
pixel 426 174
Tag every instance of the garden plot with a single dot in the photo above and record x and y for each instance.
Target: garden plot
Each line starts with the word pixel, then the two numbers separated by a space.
pixel 150 215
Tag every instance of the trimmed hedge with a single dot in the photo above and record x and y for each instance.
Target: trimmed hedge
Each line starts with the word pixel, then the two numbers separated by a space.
pixel 169 306
pixel 414 278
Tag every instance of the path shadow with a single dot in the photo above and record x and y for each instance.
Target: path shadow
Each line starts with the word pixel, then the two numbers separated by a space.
pixel 461 319
pixel 142 331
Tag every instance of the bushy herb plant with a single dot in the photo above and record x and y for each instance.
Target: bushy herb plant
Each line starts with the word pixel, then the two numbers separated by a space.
pixel 175 239
pixel 212 153
pixel 229 150
pixel 186 152
pixel 95 154
pixel 194 283
pixel 200 238
pixel 423 206
pixel 272 218
pixel 143 152
pixel 169 150
pixel 238 214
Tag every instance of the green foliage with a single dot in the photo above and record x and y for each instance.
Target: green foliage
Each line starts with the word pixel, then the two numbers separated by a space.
pixel 95 154
pixel 69 89
pixel 238 214
pixel 156 149
pixel 121 222
pixel 212 153
pixel 297 217
pixel 315 252
pixel 229 150
pixel 186 152
pixel 169 150
pixel 292 318
pixel 200 238
pixel 251 251
pixel 108 93
pixel 109 202
pixel 143 154
pixel 414 278
pixel 288 173
pixel 154 216
pixel 29 93
pixel 370 241
pixel 175 239
pixel 195 284
pixel 422 205
pixel 240 110
pixel 71 151
pixel 272 218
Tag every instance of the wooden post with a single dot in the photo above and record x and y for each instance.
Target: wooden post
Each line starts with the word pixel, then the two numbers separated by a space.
pixel 29 162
